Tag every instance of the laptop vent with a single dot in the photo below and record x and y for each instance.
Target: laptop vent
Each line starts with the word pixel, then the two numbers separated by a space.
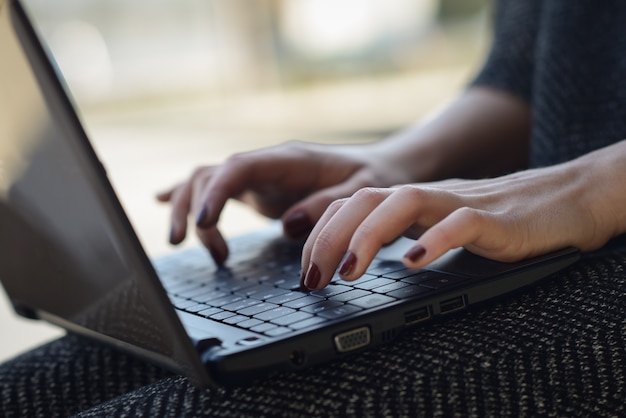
pixel 389 335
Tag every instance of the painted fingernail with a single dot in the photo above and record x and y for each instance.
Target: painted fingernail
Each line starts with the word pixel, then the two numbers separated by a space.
pixel 347 264
pixel 415 253
pixel 298 225
pixel 202 217
pixel 173 239
pixel 217 256
pixel 313 276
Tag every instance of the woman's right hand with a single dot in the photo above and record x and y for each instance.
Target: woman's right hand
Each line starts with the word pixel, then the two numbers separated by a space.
pixel 295 181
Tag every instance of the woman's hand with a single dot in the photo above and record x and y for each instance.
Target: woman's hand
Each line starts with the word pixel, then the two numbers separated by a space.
pixel 296 181
pixel 580 204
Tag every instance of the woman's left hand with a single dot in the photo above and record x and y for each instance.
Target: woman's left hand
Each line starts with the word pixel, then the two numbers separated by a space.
pixel 506 218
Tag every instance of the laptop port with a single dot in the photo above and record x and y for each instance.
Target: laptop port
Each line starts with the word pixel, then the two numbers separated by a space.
pixel 416 315
pixel 451 305
pixel 352 340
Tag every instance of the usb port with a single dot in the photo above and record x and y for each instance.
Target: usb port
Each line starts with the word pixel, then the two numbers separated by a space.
pixel 416 315
pixel 452 305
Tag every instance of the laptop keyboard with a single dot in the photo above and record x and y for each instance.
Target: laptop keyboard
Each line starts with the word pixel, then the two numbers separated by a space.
pixel 259 290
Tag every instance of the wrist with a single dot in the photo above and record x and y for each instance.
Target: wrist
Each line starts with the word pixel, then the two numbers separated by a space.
pixel 603 174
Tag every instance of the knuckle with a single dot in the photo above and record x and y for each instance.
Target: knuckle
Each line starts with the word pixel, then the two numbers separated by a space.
pixel 198 172
pixel 325 242
pixel 367 194
pixel 335 205
pixel 472 216
pixel 412 193
pixel 236 159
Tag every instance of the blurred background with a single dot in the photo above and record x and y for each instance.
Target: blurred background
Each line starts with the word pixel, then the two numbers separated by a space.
pixel 163 86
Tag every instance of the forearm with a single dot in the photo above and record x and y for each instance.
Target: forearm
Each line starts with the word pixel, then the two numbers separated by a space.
pixel 602 175
pixel 483 133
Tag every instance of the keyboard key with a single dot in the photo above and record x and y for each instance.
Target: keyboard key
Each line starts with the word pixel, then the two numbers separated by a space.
pixel 409 292
pixel 401 274
pixel 178 288
pixel 267 292
pixel 371 301
pixel 205 295
pixel 321 306
pixel 370 284
pixel 249 323
pixel 184 304
pixel 233 320
pixel 302 302
pixel 352 294
pixel 277 331
pixel 330 290
pixel 339 312
pixel 274 313
pixel 241 304
pixel 257 309
pixel 227 300
pixel 390 287
pixel 265 326
pixel 210 311
pixel 286 297
pixel 196 308
pixel 291 318
pixel 292 283
pixel 308 322
pixel 222 315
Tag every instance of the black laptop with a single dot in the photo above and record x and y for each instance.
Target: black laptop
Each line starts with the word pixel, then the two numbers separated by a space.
pixel 68 255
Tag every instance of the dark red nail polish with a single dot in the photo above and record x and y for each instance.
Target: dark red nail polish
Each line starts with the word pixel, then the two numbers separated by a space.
pixel 313 276
pixel 298 225
pixel 202 217
pixel 415 253
pixel 173 239
pixel 347 264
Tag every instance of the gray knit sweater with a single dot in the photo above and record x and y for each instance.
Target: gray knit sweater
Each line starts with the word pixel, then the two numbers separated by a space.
pixel 568 59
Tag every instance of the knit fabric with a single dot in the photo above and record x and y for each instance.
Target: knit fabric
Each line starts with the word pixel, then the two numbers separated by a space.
pixel 567 58
pixel 557 349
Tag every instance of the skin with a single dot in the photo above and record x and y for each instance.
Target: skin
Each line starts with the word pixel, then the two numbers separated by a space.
pixel 347 198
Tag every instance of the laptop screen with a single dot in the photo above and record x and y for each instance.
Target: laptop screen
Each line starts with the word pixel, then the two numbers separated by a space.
pixel 66 248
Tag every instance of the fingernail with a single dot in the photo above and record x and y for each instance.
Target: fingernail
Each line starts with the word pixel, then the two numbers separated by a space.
pixel 202 217
pixel 347 264
pixel 173 239
pixel 298 225
pixel 415 253
pixel 313 277
pixel 217 256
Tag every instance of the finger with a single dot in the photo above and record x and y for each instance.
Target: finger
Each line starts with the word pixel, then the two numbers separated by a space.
pixel 298 220
pixel 461 228
pixel 213 240
pixel 307 249
pixel 330 241
pixel 405 208
pixel 165 196
pixel 180 200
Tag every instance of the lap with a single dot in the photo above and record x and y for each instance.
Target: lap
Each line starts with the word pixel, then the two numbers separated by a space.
pixel 556 349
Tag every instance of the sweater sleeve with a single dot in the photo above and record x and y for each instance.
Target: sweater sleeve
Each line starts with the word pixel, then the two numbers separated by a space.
pixel 509 64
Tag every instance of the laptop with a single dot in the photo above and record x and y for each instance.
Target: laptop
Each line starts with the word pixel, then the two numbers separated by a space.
pixel 68 255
